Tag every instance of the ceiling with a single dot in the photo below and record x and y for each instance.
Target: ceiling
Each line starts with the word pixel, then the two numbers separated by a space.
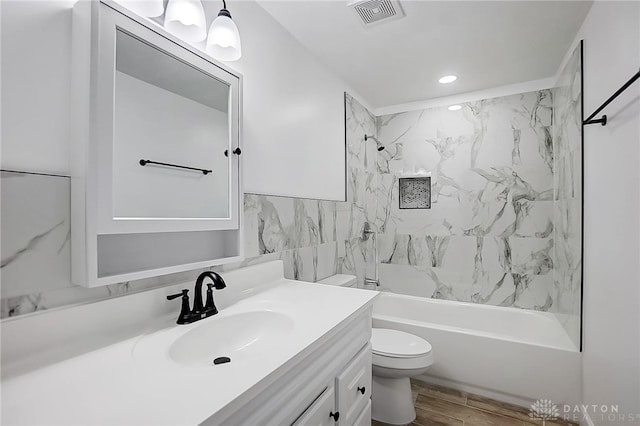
pixel 486 43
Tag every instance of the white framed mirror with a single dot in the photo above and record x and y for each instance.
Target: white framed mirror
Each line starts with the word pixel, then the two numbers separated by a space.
pixel 156 185
pixel 171 136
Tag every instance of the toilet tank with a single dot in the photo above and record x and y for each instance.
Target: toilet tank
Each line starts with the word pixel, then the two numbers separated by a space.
pixel 340 280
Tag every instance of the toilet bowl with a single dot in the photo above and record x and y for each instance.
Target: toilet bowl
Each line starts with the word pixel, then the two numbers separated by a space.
pixel 397 356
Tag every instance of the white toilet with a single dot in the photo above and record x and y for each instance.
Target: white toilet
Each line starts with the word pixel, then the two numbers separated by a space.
pixel 397 356
pixel 340 280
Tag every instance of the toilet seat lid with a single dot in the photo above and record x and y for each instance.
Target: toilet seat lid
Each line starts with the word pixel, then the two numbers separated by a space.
pixel 398 344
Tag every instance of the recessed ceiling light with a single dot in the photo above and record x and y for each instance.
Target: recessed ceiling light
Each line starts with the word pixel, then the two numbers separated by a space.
pixel 455 108
pixel 448 79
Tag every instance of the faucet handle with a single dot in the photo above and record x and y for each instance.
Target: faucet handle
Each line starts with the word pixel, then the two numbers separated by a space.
pixel 185 316
pixel 183 294
pixel 209 305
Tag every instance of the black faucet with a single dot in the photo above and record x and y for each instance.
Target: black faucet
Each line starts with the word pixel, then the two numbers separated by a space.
pixel 187 316
pixel 209 308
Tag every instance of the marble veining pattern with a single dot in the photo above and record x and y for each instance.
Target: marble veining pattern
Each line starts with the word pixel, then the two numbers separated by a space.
pixel 503 173
pixel 314 238
pixel 36 272
pixel 567 212
pixel 355 256
pixel 488 237
pixel 35 231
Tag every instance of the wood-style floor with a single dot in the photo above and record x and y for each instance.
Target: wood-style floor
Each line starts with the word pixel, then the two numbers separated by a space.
pixel 440 406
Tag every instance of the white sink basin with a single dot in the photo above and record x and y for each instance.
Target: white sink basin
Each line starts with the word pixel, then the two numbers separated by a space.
pixel 242 336
pixel 239 337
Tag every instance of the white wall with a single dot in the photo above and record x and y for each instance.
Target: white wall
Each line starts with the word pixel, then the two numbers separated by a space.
pixel 36 61
pixel 611 304
pixel 293 135
pixel 294 131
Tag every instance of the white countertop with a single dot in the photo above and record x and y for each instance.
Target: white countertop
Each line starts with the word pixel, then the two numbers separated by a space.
pixel 116 385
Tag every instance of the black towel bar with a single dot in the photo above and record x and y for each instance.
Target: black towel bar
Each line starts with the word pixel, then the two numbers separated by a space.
pixel 603 120
pixel 145 162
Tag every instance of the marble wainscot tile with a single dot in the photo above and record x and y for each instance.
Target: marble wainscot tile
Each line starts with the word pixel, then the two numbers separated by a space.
pixel 327 221
pixel 250 223
pixel 71 295
pixel 327 260
pixel 287 223
pixel 303 262
pixel 35 233
pixel 310 220
pixel 352 258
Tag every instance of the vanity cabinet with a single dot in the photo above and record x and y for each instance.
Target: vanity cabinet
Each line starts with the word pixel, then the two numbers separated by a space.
pixel 316 414
pixel 347 401
pixel 354 388
pixel 156 156
pixel 323 388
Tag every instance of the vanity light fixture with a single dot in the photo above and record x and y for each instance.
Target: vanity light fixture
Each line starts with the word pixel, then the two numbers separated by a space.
pixel 148 8
pixel 447 79
pixel 223 42
pixel 455 108
pixel 185 19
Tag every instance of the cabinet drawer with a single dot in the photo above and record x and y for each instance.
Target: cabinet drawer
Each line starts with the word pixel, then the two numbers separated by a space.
pixel 364 418
pixel 353 387
pixel 320 412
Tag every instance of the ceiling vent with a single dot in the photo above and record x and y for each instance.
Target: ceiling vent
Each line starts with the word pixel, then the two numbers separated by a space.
pixel 373 12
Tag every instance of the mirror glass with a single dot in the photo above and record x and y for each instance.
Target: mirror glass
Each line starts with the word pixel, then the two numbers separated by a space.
pixel 172 113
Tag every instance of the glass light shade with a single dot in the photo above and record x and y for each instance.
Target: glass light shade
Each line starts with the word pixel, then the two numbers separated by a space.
pixel 148 8
pixel 224 39
pixel 185 19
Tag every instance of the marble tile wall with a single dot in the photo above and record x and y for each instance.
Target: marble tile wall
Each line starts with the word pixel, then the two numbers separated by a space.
pixel 35 227
pixel 355 255
pixel 567 212
pixel 488 237
pixel 314 238
pixel 301 232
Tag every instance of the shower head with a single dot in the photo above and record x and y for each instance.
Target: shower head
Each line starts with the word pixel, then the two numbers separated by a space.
pixel 379 146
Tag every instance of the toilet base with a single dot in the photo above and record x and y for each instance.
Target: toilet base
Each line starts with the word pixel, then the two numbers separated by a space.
pixel 391 400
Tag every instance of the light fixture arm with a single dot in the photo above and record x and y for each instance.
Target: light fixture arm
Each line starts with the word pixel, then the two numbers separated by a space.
pixel 224 11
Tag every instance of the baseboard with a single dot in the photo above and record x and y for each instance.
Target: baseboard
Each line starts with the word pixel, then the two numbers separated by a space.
pixel 498 396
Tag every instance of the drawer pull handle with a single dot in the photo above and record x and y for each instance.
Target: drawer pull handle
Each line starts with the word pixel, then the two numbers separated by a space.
pixel 362 390
pixel 335 415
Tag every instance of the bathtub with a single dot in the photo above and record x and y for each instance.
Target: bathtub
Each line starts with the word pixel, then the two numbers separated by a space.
pixel 510 354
